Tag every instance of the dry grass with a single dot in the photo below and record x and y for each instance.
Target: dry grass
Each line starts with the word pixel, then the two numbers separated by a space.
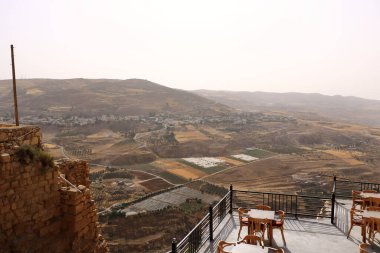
pixel 134 90
pixel 191 134
pixel 59 108
pixel 216 132
pixel 34 91
pixel 105 133
pixel 188 174
pixel 347 156
pixel 155 184
pixel 231 161
pixel 179 169
pixel 285 173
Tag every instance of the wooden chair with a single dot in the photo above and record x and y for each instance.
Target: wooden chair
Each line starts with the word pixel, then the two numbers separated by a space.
pixel 274 250
pixel 373 208
pixel 375 228
pixel 369 191
pixel 263 207
pixel 279 224
pixel 222 245
pixel 368 201
pixel 357 200
pixel 243 220
pixel 252 239
pixel 364 248
pixel 375 202
pixel 258 226
pixel 356 219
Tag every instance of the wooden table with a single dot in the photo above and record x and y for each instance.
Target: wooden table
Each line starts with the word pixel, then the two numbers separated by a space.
pixel 248 248
pixel 366 216
pixel 370 195
pixel 367 195
pixel 263 214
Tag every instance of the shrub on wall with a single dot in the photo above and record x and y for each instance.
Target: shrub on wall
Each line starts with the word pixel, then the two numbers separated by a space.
pixel 27 154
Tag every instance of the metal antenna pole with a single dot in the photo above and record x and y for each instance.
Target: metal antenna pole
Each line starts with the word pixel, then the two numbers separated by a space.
pixel 14 86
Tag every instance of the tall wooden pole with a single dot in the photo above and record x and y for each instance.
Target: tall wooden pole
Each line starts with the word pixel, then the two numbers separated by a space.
pixel 14 86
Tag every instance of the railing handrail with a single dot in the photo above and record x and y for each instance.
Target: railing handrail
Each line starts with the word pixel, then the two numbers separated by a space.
pixel 195 227
pixel 282 194
pixel 220 201
pixel 199 224
pixel 356 182
pixel 334 193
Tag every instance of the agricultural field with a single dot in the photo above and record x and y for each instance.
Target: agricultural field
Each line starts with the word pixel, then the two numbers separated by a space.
pixel 259 153
pixel 171 198
pixel 347 156
pixel 215 132
pixel 190 134
pixel 293 173
pixel 204 162
pixel 244 157
pixel 155 184
pixel 179 169
pixel 230 161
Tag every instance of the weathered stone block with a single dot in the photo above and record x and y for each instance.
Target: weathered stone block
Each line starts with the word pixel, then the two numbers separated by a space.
pixel 5 158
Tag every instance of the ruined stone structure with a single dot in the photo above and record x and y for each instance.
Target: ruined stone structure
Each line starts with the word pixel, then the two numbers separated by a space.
pixel 76 172
pixel 39 211
pixel 12 136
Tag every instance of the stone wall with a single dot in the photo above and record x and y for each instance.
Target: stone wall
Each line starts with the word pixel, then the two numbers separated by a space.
pixel 38 213
pixel 76 171
pixel 12 136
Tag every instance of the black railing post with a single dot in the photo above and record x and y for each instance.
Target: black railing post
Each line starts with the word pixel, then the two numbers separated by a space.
pixel 231 196
pixel 296 214
pixel 211 223
pixel 174 246
pixel 333 202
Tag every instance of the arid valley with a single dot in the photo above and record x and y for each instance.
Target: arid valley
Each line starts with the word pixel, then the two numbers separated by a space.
pixel 160 156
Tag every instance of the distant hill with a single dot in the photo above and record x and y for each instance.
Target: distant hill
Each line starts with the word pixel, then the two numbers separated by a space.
pixel 337 108
pixel 89 97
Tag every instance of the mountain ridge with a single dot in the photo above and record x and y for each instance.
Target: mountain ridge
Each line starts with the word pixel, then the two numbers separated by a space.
pixel 349 109
pixel 103 96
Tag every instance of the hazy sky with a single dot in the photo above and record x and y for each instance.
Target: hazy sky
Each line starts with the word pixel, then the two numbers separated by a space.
pixel 329 47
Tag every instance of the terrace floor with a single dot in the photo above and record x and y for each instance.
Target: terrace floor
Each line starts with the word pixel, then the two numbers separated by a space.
pixel 301 235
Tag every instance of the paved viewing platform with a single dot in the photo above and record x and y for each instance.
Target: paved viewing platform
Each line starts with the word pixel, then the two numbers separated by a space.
pixel 312 224
pixel 302 235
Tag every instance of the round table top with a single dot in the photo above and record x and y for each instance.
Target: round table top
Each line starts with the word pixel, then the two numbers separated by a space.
pixel 248 248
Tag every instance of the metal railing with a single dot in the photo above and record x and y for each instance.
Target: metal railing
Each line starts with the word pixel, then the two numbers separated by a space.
pixel 295 205
pixel 204 230
pixel 292 204
pixel 344 187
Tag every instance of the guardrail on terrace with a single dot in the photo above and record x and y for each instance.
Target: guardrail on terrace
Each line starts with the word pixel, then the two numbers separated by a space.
pixel 344 187
pixel 295 205
pixel 204 230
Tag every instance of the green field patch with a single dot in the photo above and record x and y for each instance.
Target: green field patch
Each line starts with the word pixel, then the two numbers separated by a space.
pixel 288 150
pixel 259 153
pixel 174 179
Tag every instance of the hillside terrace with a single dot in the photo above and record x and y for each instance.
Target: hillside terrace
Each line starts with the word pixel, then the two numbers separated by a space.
pixel 313 224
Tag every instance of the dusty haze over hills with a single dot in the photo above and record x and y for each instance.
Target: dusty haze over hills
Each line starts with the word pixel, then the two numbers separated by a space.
pixel 336 108
pixel 93 97
pixel 328 47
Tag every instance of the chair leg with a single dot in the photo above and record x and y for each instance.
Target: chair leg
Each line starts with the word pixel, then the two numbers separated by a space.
pixel 283 237
pixel 239 233
pixel 349 231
